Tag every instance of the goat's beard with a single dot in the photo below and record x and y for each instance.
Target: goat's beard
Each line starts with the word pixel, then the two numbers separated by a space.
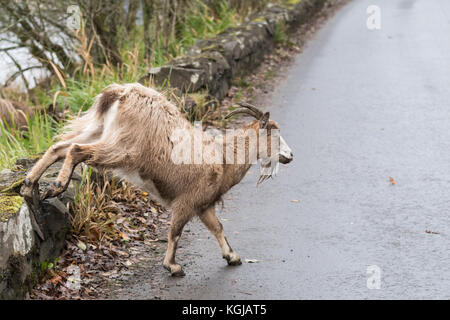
pixel 269 168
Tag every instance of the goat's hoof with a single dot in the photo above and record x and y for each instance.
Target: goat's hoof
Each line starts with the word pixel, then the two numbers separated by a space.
pixel 27 182
pixel 55 189
pixel 175 270
pixel 233 259
pixel 26 190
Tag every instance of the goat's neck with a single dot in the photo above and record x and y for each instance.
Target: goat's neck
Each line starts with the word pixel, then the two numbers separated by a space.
pixel 238 171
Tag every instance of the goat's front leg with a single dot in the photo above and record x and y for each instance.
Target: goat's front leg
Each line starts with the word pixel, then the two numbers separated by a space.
pixel 77 153
pixel 210 220
pixel 180 216
pixel 56 152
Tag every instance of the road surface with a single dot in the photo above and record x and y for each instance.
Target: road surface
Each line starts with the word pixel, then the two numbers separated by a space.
pixel 357 107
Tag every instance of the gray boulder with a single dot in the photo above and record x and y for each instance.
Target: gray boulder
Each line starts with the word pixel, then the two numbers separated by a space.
pixel 22 250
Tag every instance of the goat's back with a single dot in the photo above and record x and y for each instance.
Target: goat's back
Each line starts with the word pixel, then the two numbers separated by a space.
pixel 132 126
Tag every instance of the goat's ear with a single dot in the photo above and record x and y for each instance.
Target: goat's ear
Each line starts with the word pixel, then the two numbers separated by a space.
pixel 264 120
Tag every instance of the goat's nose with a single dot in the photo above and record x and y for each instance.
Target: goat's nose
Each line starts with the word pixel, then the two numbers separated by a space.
pixel 291 156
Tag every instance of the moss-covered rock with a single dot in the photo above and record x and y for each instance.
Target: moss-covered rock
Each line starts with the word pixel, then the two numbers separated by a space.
pixel 11 181
pixel 9 205
pixel 14 186
pixel 21 250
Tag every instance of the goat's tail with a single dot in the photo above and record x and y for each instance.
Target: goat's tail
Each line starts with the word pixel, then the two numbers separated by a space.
pixel 91 121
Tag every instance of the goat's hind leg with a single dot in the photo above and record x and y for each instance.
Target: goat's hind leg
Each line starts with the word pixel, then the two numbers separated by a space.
pixel 56 152
pixel 76 154
pixel 209 218
pixel 180 216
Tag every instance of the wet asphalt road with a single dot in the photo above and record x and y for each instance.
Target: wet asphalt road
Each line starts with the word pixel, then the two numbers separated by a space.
pixel 356 107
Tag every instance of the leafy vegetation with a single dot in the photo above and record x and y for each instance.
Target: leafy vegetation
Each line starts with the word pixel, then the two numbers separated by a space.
pixel 281 35
pixel 16 144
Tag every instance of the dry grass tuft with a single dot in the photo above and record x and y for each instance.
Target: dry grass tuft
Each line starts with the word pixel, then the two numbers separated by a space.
pixel 95 209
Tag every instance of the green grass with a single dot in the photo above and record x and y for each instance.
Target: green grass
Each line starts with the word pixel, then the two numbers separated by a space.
pixel 16 144
pixel 281 34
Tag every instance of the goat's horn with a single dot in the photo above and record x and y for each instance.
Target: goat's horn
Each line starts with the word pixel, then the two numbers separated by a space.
pixel 258 113
pixel 242 110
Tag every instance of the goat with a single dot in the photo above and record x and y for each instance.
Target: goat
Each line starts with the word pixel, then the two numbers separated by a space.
pixel 128 130
pixel 13 112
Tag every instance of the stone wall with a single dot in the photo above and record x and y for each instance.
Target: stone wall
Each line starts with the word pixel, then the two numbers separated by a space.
pixel 22 251
pixel 212 64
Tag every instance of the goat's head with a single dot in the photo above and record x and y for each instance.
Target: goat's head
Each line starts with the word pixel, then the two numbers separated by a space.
pixel 282 152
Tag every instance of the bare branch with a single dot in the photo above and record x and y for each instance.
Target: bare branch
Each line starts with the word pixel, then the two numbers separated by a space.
pixel 18 73
pixel 25 81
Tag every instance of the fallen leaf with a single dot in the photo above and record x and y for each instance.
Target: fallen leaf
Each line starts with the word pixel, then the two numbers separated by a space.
pixel 82 245
pixel 392 181
pixel 128 263
pixel 122 253
pixel 142 220
pixel 252 260
pixel 124 236
pixel 107 274
pixel 95 234
pixel 56 280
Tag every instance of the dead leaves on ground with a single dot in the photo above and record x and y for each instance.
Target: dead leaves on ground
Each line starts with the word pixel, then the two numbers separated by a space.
pixel 99 261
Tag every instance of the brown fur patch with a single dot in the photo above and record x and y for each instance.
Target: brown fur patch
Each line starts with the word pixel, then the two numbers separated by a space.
pixel 164 190
pixel 213 176
pixel 80 153
pixel 105 101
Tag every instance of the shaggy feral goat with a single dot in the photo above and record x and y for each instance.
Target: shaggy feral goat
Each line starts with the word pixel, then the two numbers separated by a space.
pixel 136 132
